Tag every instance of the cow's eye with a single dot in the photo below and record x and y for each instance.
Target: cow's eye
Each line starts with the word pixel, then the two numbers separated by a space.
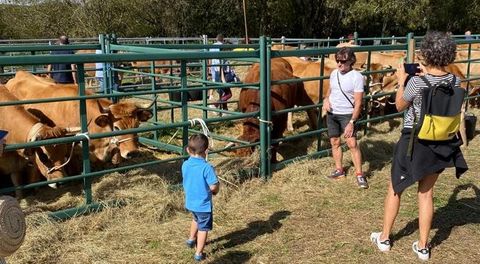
pixel 116 128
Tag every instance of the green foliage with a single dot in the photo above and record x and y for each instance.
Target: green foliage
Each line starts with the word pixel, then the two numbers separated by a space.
pixel 290 18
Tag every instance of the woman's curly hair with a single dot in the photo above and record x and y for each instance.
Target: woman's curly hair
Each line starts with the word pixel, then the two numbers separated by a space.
pixel 438 49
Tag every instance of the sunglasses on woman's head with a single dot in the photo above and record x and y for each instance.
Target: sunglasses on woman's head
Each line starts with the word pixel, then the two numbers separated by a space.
pixel 342 61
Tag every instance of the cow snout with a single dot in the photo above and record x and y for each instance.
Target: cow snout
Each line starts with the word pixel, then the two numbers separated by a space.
pixel 131 154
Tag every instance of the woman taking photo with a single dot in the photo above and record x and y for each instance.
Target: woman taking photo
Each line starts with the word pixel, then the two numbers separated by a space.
pixel 424 164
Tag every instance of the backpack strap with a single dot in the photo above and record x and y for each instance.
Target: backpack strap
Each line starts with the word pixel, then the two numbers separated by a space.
pixel 415 121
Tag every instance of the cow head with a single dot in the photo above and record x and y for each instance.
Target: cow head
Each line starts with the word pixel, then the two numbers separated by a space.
pixel 50 159
pixel 127 115
pixel 250 131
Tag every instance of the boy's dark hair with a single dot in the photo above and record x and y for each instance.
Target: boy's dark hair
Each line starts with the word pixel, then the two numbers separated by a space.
pixel 198 144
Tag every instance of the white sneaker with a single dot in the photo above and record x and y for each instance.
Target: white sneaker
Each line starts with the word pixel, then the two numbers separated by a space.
pixel 382 245
pixel 423 253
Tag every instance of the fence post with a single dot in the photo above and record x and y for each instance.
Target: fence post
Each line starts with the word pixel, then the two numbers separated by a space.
pixel 265 168
pixel 107 77
pixel 101 39
pixel 468 73
pixel 365 109
pixel 184 97
pixel 87 182
pixel 320 92
pixel 410 48
pixel 355 38
pixel 205 92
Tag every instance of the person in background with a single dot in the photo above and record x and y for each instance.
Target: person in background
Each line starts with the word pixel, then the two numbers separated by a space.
pixel 468 35
pixel 216 70
pixel 60 72
pixel 351 39
pixel 199 183
pixel 99 72
pixel 427 159
pixel 99 66
pixel 343 104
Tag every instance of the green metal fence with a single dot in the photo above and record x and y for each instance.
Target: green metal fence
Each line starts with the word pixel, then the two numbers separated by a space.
pixel 186 55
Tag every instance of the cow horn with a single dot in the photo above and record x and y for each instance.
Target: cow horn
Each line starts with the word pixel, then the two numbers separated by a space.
pixel 73 130
pixel 230 145
pixel 142 106
pixel 103 110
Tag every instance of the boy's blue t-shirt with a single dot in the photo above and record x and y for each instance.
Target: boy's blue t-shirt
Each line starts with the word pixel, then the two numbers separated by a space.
pixel 198 175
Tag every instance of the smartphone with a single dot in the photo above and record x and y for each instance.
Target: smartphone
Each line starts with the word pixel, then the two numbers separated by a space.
pixel 411 68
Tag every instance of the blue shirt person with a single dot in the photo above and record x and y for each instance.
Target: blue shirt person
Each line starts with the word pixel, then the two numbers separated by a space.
pixel 200 183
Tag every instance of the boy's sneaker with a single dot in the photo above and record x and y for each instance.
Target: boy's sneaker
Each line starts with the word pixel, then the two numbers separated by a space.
pixel 191 243
pixel 422 253
pixel 336 174
pixel 198 257
pixel 382 245
pixel 362 181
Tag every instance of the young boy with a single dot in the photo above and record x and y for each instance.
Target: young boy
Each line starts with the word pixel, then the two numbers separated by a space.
pixel 199 184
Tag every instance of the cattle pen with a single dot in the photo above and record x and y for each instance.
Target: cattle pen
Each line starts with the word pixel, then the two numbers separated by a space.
pixel 191 60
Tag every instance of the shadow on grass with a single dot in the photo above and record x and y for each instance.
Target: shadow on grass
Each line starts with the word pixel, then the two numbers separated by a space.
pixel 233 257
pixel 377 153
pixel 456 213
pixel 295 148
pixel 392 124
pixel 253 230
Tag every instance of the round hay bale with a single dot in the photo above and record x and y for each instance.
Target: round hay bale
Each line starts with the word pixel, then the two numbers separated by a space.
pixel 12 226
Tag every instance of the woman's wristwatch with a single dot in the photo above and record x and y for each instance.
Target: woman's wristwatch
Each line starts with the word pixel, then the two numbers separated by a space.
pixel 352 121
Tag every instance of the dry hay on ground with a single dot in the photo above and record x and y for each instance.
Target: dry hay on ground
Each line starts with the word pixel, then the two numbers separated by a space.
pixel 297 215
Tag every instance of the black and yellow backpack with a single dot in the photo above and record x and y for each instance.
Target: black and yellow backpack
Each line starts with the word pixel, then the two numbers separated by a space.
pixel 441 110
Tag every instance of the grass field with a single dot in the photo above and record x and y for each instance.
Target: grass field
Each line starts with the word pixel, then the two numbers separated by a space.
pixel 298 216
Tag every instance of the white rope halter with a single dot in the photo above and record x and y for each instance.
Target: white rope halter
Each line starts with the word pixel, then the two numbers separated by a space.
pixel 115 141
pixel 12 226
pixel 54 168
pixel 205 129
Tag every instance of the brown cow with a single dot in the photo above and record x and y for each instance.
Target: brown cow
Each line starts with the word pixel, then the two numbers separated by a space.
pixel 390 84
pixel 388 59
pixel 307 69
pixel 24 127
pixel 473 69
pixel 283 96
pixel 102 115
